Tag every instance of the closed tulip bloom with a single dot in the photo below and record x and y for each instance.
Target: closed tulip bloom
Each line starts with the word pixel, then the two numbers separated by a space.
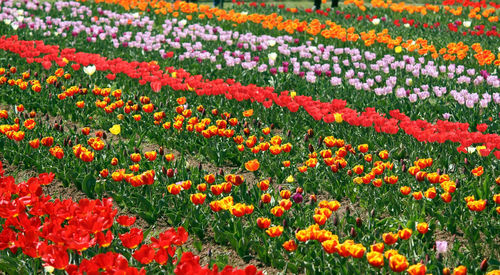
pixel 398 263
pixel 320 219
pixel 422 228
pixel 263 223
pixel 266 198
pixel 357 251
pixel 174 189
pixel 290 245
pixel 405 233
pixel 375 259
pixel 460 270
pixel 275 231
pixel 238 210
pixel 198 198
pixel 277 211
pixel 252 165
pixel 330 246
pixel 390 238
pixel 378 247
pixel 417 269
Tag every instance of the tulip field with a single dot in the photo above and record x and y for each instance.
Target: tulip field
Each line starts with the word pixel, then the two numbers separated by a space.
pixel 167 137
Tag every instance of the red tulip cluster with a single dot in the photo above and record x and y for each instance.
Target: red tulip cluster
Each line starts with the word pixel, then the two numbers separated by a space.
pixel 39 227
pixel 178 79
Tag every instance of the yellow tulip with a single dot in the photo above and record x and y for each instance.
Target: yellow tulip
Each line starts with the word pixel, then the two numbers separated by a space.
pixel 116 129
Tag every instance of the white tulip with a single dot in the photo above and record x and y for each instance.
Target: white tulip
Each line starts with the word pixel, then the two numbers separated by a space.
pixel 376 21
pixel 7 21
pixel 49 269
pixel 183 22
pixel 89 70
pixel 272 56
pixel 467 24
pixel 407 25
pixel 15 26
pixel 271 43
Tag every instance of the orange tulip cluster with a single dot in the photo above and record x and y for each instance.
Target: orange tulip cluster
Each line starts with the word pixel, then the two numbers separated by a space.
pixel 328 29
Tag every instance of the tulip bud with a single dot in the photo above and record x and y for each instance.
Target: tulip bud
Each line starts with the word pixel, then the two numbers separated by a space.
pixel 260 204
pixel 210 253
pixel 359 222
pixel 335 221
pixel 104 136
pixel 161 151
pixel 164 170
pixel 35 74
pixel 289 133
pixel 347 211
pixel 353 232
pixel 170 172
pixel 109 146
pixel 176 171
pixel 484 265
pixel 221 172
pixel 446 271
pixel 299 190
pixel 56 126
pixel 136 150
pixel 466 161
pixel 457 183
pixel 310 132
pixel 400 227
pixel 70 143
pixel 427 258
pixel 372 213
pixel 320 140
pixel 438 171
pixel 65 142
pixel 76 140
pixel 306 138
pixel 284 223
pixel 312 199
pixel 199 167
pixel 349 173
pixel 403 167
pixel 311 148
pixel 271 126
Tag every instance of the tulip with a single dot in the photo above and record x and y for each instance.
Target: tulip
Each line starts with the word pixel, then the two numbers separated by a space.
pixel 89 70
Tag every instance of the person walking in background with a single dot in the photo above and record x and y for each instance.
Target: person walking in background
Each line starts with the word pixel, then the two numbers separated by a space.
pixel 317 4
pixel 217 2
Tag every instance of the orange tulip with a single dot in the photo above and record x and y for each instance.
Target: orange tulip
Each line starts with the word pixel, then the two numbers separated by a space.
pixel 375 259
pixel 398 263
pixel 252 165
pixel 290 245
pixel 275 231
pixel 198 198
pixel 390 238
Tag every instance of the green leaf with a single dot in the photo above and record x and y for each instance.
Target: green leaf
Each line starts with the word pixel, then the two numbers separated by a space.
pixel 198 245
pixel 88 185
